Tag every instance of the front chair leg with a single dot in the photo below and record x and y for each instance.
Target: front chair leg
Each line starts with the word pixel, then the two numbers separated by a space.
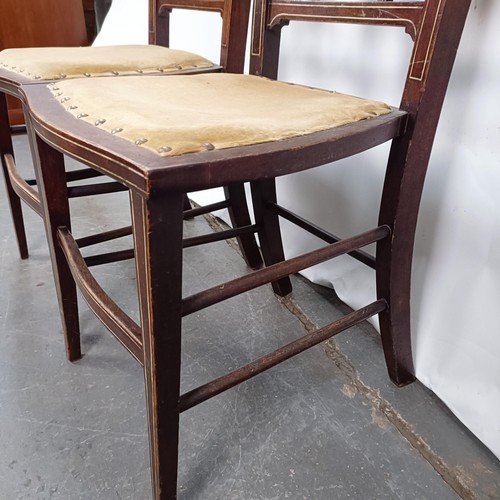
pixel 51 179
pixel 157 229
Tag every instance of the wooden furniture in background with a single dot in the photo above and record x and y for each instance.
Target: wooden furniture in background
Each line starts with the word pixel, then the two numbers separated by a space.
pixel 40 23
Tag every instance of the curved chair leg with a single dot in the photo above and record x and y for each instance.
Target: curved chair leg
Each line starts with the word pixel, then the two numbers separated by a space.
pixel 263 193
pixel 238 212
pixel 393 284
pixel 399 210
pixel 51 179
pixel 404 181
pixel 14 201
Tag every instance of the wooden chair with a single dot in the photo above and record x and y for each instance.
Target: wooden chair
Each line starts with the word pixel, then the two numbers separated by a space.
pixel 28 66
pixel 304 128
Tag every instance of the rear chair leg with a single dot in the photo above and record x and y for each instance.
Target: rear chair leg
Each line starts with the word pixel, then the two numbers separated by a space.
pixel 238 211
pixel 398 210
pixel 393 285
pixel 263 193
pixel 14 201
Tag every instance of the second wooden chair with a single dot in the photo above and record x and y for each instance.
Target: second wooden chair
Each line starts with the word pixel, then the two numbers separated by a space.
pixel 30 66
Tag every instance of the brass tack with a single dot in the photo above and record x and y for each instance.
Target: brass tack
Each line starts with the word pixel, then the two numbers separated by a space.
pixel 100 121
pixel 54 88
pixel 87 74
pixel 64 99
pixel 82 115
pixel 73 107
pixel 179 67
pixel 140 141
pixel 161 70
pixel 208 146
pixel 62 75
pixel 165 149
pixel 37 77
pixel 115 73
pixel 116 130
pixel 139 71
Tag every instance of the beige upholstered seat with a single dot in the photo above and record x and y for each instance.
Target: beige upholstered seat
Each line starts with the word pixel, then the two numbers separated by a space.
pixel 187 114
pixel 54 63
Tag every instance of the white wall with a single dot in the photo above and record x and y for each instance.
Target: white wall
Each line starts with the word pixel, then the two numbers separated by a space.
pixel 456 273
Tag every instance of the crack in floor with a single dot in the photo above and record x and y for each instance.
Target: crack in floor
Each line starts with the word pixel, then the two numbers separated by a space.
pixel 455 479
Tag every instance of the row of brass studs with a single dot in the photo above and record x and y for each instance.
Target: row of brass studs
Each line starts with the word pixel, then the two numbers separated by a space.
pixel 61 76
pixel 100 121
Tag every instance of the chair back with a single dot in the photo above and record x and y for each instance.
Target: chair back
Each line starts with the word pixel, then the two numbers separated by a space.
pixel 435 27
pixel 235 17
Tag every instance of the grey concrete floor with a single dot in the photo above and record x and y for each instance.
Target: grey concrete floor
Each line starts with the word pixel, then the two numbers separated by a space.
pixel 327 424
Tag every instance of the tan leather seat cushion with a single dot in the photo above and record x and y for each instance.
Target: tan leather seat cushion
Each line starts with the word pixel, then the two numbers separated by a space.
pixel 54 63
pixel 185 114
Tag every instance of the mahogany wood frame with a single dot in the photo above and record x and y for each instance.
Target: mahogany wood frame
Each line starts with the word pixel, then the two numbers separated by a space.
pixel 157 186
pixel 235 17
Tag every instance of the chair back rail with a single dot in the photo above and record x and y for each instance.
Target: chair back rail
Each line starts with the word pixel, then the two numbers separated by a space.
pixel 421 19
pixel 235 15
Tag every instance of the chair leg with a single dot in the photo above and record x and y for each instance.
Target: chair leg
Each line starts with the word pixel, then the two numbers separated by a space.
pixel 51 180
pixel 238 212
pixel 393 284
pixel 157 229
pixel 14 201
pixel 263 193
pixel 187 203
pixel 398 210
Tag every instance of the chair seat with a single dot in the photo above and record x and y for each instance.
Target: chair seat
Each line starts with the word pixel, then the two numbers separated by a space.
pixel 55 63
pixel 187 114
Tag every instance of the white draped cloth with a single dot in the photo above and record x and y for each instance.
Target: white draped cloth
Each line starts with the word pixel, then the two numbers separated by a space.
pixel 456 270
